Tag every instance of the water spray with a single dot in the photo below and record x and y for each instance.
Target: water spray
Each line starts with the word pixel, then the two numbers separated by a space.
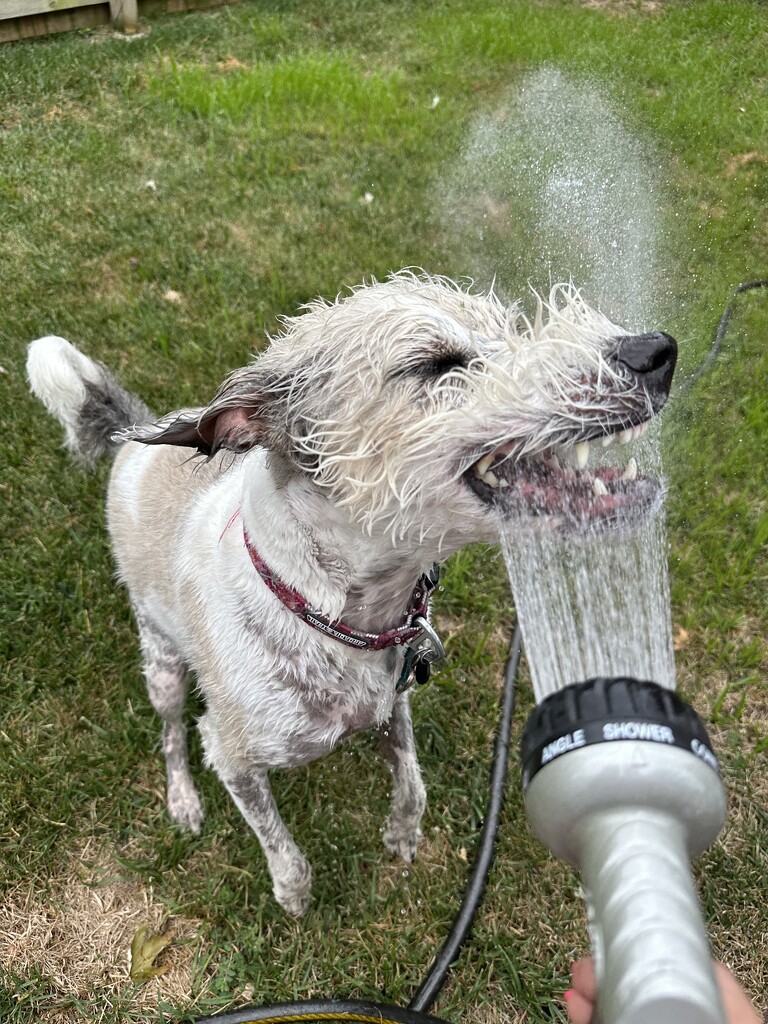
pixel 621 783
pixel 619 775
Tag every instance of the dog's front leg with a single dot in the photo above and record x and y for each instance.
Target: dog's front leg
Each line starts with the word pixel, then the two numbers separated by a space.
pixel 409 797
pixel 290 870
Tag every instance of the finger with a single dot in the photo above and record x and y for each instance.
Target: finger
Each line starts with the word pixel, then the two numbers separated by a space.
pixel 584 981
pixel 735 1000
pixel 578 1008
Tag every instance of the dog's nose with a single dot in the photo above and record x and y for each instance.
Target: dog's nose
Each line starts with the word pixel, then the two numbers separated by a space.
pixel 651 357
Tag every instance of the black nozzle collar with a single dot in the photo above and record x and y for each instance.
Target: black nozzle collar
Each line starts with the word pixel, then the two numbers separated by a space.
pixel 609 710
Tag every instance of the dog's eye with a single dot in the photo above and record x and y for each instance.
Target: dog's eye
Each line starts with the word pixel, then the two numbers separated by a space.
pixel 433 366
pixel 444 363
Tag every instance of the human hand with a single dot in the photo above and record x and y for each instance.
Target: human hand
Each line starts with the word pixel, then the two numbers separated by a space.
pixel 580 1000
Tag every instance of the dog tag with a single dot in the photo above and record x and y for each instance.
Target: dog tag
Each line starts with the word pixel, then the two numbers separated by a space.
pixel 421 670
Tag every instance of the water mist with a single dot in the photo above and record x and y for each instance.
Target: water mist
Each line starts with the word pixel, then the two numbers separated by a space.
pixel 620 778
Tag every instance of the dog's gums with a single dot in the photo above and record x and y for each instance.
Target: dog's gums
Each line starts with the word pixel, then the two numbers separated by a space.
pixel 558 484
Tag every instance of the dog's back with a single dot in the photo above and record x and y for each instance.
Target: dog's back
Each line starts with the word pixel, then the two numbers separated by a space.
pixel 154 496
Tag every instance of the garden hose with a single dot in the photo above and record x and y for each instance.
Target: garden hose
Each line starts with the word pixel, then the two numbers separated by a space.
pixel 323 1010
pixel 369 1012
pixel 722 327
pixel 416 1012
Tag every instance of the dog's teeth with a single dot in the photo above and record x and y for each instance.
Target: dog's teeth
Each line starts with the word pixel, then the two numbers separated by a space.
pixel 503 483
pixel 599 487
pixel 630 473
pixel 490 478
pixel 625 436
pixel 581 451
pixel 607 439
pixel 483 465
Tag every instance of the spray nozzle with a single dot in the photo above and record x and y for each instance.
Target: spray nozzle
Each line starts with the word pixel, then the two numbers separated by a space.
pixel 621 782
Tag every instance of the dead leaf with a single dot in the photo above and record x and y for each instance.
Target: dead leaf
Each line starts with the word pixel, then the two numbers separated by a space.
pixel 145 949
pixel 463 853
pixel 682 638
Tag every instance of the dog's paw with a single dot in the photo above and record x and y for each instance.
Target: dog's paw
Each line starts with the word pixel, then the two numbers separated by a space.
pixel 402 843
pixel 185 808
pixel 293 887
pixel 296 903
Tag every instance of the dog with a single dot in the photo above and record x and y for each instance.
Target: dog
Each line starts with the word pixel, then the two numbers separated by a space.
pixel 289 567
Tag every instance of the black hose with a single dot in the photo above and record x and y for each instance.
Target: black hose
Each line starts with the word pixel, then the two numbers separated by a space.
pixel 722 327
pixel 416 1012
pixel 322 1010
pixel 473 894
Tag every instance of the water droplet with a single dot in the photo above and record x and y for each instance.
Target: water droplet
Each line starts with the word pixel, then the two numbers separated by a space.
pixel 406 873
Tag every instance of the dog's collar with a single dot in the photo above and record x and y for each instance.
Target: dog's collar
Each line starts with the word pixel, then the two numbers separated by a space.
pixel 413 627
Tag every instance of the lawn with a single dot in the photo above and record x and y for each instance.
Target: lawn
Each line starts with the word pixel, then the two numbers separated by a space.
pixel 163 200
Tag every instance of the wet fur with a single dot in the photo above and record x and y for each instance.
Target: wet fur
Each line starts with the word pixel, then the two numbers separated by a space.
pixel 341 450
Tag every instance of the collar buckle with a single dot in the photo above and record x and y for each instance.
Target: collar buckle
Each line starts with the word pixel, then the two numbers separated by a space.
pixel 426 644
pixel 421 652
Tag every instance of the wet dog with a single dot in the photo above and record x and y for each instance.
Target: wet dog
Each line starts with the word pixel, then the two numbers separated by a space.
pixel 288 568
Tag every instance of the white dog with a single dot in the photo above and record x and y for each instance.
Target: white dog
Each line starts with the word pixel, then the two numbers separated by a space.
pixel 375 436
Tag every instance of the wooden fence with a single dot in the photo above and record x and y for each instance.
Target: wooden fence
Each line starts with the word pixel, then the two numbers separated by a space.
pixel 26 19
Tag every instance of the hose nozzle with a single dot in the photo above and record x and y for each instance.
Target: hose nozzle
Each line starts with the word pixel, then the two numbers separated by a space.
pixel 621 783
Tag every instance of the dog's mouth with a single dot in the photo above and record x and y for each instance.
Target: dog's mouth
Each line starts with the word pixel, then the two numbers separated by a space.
pixel 558 484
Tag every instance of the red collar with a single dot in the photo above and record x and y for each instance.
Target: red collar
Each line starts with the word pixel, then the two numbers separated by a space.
pixel 408 630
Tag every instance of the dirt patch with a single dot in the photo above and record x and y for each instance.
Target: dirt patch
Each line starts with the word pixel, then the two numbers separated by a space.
pixel 739 161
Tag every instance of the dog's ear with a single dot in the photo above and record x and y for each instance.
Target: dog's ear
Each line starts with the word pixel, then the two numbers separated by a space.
pixel 236 429
pixel 247 411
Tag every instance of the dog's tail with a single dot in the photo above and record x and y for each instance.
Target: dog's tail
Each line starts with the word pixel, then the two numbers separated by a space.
pixel 84 396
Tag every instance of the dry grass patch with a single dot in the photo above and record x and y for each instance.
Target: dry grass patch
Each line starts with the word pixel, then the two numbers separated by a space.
pixel 622 8
pixel 78 935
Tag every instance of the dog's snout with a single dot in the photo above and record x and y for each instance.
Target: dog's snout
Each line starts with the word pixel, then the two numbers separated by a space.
pixel 652 357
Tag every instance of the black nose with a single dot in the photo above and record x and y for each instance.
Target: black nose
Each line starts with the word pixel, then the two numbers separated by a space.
pixel 651 357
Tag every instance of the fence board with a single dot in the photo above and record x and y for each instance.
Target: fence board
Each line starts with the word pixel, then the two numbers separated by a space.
pixel 14 29
pixel 64 15
pixel 22 8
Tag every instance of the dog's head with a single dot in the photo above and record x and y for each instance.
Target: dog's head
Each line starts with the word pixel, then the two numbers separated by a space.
pixel 430 411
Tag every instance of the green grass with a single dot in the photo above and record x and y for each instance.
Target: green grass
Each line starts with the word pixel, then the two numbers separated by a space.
pixel 226 157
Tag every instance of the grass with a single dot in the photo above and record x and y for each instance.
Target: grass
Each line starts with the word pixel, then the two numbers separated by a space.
pixel 162 202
